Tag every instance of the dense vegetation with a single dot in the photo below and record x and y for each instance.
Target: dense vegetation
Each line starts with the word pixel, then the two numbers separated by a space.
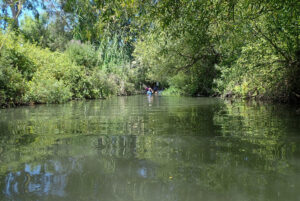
pixel 57 50
pixel 242 48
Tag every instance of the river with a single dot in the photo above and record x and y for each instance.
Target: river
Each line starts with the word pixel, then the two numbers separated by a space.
pixel 142 148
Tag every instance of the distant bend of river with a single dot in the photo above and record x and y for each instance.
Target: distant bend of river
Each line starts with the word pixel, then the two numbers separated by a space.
pixel 141 148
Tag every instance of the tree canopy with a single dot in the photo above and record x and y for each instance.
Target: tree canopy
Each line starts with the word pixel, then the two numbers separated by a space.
pixel 239 48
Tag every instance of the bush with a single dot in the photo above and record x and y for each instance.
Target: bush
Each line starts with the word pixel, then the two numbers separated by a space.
pixel 100 86
pixel 256 73
pixel 15 70
pixel 47 90
pixel 127 89
pixel 172 91
pixel 83 54
pixel 30 74
pixel 12 85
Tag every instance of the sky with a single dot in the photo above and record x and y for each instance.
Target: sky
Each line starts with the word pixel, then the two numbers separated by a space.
pixel 24 11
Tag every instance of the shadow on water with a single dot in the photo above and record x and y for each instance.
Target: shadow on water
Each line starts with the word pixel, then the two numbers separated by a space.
pixel 157 148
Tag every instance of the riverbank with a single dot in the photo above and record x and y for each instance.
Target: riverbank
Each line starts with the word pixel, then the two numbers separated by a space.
pixel 228 97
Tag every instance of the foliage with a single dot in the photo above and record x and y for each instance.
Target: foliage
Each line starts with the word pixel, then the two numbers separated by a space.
pixel 47 90
pixel 46 33
pixel 246 48
pixel 97 21
pixel 31 74
pixel 12 9
pixel 259 55
pixel 180 50
pixel 15 70
pixel 83 54
pixel 107 69
pixel 172 91
pixel 261 75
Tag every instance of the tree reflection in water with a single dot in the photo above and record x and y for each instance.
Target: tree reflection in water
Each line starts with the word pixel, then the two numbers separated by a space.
pixel 176 149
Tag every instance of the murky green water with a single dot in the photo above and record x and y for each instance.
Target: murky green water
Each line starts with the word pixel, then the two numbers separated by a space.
pixel 150 149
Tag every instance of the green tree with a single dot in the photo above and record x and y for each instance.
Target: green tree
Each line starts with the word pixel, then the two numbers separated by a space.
pixel 16 8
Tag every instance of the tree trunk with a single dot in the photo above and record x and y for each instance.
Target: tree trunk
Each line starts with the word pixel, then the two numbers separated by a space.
pixel 15 10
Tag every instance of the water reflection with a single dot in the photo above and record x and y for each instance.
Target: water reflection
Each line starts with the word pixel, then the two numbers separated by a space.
pixel 36 180
pixel 169 149
pixel 150 100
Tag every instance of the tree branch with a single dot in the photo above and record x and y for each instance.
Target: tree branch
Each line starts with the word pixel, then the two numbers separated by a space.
pixel 194 61
pixel 258 31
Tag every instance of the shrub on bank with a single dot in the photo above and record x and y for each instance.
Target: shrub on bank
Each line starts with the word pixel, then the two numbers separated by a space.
pixel 47 90
pixel 83 54
pixel 31 74
pixel 172 91
pixel 12 85
pixel 15 70
pixel 258 73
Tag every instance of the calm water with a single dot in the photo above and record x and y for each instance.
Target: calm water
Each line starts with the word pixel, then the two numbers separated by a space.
pixel 150 149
